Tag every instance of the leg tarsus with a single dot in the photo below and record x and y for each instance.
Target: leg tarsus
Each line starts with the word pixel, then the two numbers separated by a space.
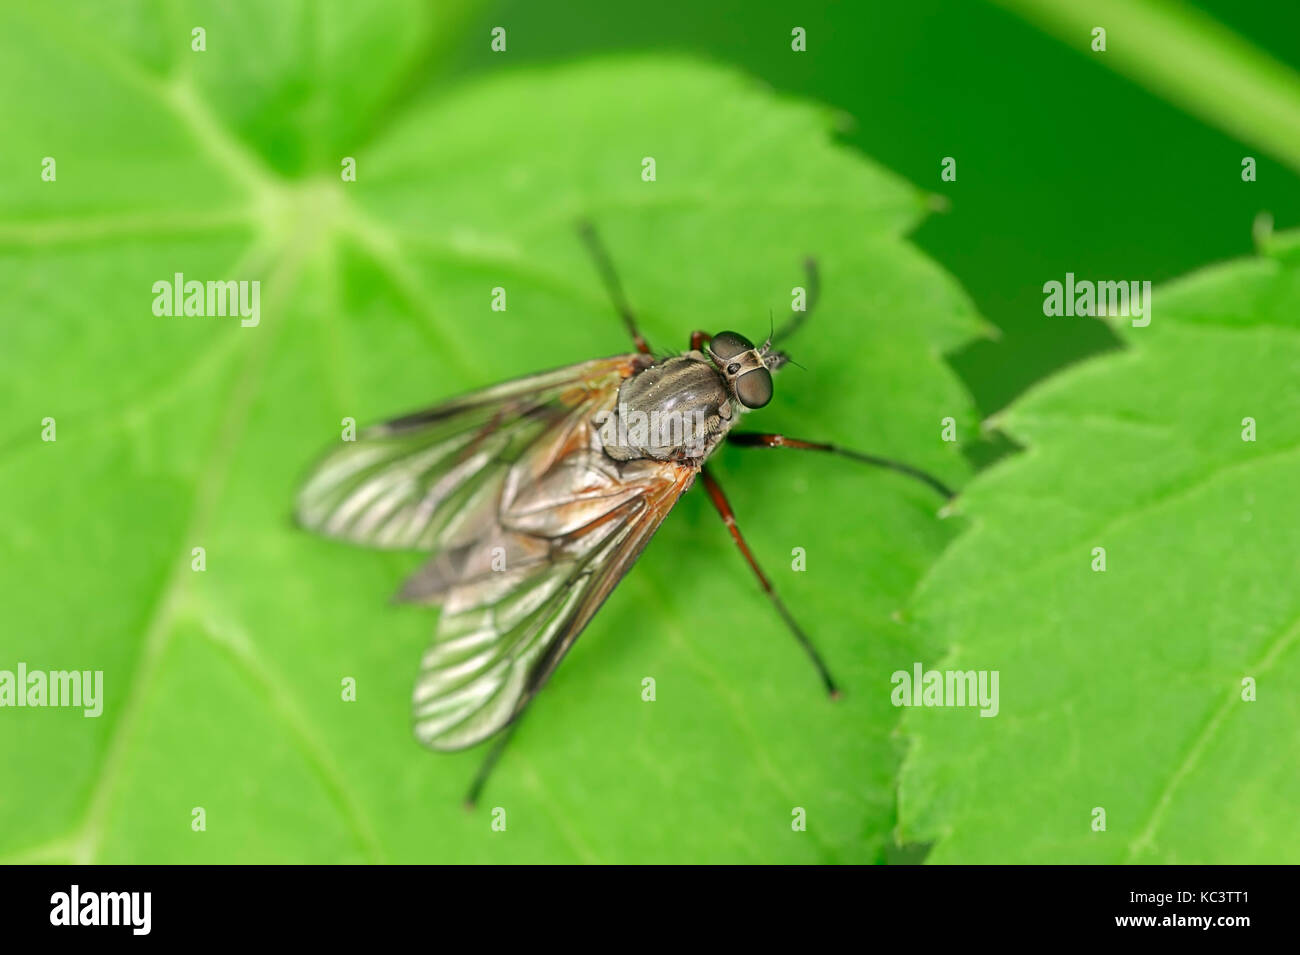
pixel 751 439
pixel 489 761
pixel 813 292
pixel 729 518
pixel 605 266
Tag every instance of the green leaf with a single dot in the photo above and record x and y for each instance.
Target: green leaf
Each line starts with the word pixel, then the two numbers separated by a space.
pixel 1124 690
pixel 223 687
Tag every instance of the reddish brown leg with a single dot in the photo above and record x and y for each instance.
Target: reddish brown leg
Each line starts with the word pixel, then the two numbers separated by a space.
pixel 751 439
pixel 698 338
pixel 605 266
pixel 729 518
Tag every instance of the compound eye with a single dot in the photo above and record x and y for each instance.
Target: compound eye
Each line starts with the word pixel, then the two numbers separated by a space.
pixel 754 388
pixel 727 345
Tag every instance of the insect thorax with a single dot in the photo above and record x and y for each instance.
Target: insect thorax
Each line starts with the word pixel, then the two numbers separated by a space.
pixel 675 410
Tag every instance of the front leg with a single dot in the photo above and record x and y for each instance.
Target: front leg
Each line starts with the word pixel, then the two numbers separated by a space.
pixel 749 439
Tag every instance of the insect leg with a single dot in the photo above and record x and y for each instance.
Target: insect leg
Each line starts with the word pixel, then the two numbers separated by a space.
pixel 813 292
pixel 605 266
pixel 729 518
pixel 750 439
pixel 698 338
pixel 489 761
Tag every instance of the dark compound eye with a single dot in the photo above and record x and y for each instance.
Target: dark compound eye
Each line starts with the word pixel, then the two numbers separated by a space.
pixel 754 388
pixel 728 345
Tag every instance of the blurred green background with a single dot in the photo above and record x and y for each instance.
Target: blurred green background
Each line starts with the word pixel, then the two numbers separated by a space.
pixel 1062 164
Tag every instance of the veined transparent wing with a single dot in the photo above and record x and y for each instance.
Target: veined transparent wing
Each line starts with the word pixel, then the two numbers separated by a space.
pixel 531 525
pixel 403 484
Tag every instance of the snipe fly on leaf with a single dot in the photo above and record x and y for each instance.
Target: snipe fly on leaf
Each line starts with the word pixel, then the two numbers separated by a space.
pixel 534 498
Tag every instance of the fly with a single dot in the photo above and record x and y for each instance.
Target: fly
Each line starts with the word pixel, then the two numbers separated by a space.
pixel 536 496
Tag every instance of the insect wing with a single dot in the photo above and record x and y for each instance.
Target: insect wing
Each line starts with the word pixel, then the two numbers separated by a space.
pixel 404 484
pixel 561 546
pixel 531 526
